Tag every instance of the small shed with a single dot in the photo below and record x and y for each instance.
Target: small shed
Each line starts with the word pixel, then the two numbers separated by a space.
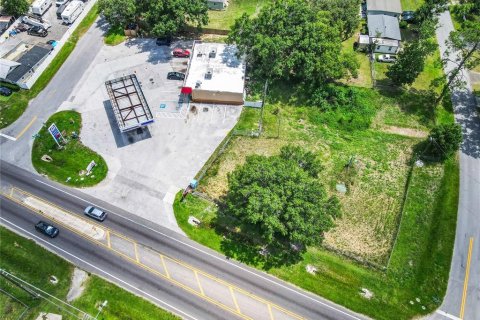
pixel 217 4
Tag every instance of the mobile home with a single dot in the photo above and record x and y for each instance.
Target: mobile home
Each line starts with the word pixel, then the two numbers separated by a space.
pixel 39 7
pixel 72 11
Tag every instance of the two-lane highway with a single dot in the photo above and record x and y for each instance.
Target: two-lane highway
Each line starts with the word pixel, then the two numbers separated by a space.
pixel 189 279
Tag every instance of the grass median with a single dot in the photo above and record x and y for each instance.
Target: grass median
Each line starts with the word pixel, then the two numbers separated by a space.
pixel 12 109
pixel 67 164
pixel 34 264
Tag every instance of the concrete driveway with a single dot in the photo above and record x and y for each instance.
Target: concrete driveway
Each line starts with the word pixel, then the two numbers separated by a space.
pixel 147 169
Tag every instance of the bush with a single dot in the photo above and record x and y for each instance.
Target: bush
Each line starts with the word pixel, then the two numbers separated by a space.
pixel 445 139
pixel 343 107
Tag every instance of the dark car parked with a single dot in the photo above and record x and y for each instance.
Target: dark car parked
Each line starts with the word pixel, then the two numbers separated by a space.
pixel 37 31
pixel 47 229
pixel 21 27
pixel 60 9
pixel 176 76
pixel 164 41
pixel 5 91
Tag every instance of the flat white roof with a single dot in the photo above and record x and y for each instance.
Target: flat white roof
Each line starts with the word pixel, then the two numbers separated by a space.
pixel 221 71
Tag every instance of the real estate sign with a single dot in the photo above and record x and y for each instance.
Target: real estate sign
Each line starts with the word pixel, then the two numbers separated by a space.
pixel 56 134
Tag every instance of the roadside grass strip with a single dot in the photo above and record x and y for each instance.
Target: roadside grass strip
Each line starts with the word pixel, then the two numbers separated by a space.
pixel 208 287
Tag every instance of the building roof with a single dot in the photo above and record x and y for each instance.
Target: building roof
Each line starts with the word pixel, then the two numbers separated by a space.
pixel 28 61
pixel 386 42
pixel 216 67
pixel 6 66
pixel 383 26
pixel 128 103
pixel 393 6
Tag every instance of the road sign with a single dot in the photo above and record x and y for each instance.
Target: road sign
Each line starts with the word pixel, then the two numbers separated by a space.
pixel 56 134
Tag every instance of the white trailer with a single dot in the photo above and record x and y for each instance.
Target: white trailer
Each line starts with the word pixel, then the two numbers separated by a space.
pixel 72 11
pixel 38 22
pixel 39 7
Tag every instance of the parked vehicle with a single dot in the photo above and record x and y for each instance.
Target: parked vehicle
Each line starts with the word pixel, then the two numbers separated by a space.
pixel 37 22
pixel 60 2
pixel 176 76
pixel 408 16
pixel 388 58
pixel 22 27
pixel 47 229
pixel 61 8
pixel 164 41
pixel 6 22
pixel 37 31
pixel 180 53
pixel 95 213
pixel 4 91
pixel 72 11
pixel 39 7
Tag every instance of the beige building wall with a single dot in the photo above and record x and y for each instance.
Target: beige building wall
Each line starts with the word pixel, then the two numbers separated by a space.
pixel 206 96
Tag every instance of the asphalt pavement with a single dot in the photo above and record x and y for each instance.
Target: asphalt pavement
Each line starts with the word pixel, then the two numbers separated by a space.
pixel 462 300
pixel 108 264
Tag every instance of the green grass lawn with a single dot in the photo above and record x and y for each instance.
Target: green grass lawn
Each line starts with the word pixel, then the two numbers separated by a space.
pixel 34 264
pixel 73 158
pixel 114 36
pixel 14 108
pixel 411 5
pixel 364 75
pixel 223 20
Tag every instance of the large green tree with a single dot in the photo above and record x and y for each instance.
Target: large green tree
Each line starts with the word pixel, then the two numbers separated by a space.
pixel 445 139
pixel 344 13
pixel 280 201
pixel 293 40
pixel 118 12
pixel 430 9
pixel 166 17
pixel 15 7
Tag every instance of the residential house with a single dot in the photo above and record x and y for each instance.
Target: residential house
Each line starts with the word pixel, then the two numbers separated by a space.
pixel 384 32
pixel 388 7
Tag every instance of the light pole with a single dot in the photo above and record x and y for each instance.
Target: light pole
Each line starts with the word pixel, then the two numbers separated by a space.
pixel 103 305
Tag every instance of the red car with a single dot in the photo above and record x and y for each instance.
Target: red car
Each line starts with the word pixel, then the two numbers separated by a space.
pixel 181 53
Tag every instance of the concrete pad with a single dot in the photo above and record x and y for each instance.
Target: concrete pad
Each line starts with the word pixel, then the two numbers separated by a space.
pixel 147 169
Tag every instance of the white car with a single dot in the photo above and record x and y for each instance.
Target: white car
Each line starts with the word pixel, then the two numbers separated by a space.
pixel 95 213
pixel 386 58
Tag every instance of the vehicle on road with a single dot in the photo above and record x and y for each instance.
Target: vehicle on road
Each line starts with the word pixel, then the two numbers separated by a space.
pixel 388 58
pixel 181 53
pixel 72 11
pixel 4 91
pixel 47 229
pixel 39 7
pixel 95 213
pixel 37 31
pixel 408 16
pixel 175 76
pixel 164 41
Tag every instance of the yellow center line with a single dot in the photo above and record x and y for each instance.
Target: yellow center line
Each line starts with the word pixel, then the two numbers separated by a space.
pixel 234 300
pixel 465 282
pixel 165 266
pixel 270 311
pixel 26 128
pixel 198 281
pixel 109 244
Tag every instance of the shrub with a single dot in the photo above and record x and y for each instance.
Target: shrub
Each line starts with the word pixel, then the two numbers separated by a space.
pixel 445 139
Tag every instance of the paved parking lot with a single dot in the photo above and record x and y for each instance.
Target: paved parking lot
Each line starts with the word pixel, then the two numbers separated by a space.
pixel 147 169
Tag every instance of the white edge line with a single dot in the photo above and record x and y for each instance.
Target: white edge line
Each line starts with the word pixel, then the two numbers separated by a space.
pixel 448 315
pixel 209 254
pixel 8 137
pixel 97 268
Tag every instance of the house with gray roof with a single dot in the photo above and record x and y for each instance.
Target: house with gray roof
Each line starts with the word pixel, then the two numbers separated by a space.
pixel 384 32
pixel 387 7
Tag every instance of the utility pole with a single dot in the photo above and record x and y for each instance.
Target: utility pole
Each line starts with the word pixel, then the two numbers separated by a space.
pixel 103 305
pixel 260 123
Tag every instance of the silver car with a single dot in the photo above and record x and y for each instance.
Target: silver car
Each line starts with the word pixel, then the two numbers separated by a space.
pixel 95 213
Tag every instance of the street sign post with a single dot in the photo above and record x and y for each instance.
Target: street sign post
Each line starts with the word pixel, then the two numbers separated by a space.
pixel 56 134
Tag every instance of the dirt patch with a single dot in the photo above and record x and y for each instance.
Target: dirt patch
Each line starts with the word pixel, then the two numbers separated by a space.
pixel 407 132
pixel 77 286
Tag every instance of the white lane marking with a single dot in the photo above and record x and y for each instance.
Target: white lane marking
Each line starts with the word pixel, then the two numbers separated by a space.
pixel 97 268
pixel 448 315
pixel 8 137
pixel 209 254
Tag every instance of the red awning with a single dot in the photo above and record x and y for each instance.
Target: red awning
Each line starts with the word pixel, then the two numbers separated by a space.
pixel 187 90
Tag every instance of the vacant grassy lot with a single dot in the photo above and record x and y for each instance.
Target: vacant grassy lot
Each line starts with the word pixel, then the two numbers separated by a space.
pixel 69 163
pixel 16 105
pixel 223 20
pixel 35 265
